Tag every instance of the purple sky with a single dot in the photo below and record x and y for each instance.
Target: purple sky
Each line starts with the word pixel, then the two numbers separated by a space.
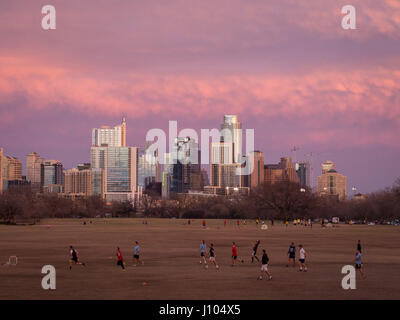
pixel 286 68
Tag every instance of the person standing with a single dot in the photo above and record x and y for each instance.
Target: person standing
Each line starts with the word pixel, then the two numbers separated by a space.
pixel 292 254
pixel 234 253
pixel 136 254
pixel 302 259
pixel 203 247
pixel 120 259
pixel 264 266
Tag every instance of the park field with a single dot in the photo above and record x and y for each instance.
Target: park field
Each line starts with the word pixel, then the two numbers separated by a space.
pixel 171 270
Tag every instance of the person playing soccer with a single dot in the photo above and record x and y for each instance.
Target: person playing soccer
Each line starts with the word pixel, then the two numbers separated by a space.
pixel 74 257
pixel 292 254
pixel 264 266
pixel 136 253
pixel 358 265
pixel 224 222
pixel 302 259
pixel 203 247
pixel 254 253
pixel 234 253
pixel 212 255
pixel 204 224
pixel 120 259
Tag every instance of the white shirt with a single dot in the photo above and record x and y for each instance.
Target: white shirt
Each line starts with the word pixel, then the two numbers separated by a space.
pixel 302 253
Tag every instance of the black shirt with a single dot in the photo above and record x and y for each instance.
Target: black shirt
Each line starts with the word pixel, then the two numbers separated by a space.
pixel 264 259
pixel 292 250
pixel 211 252
pixel 359 247
pixel 255 247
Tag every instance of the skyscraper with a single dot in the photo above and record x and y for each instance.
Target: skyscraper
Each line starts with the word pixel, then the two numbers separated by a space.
pixel 256 178
pixel 14 168
pixel 186 160
pixel 147 166
pixel 52 177
pixel 283 171
pixel 78 182
pixel 120 165
pixel 231 132
pixel 332 183
pixel 33 165
pixel 303 172
pixel 111 137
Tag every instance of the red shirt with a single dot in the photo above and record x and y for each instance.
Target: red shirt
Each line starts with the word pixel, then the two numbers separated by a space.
pixel 119 255
pixel 234 251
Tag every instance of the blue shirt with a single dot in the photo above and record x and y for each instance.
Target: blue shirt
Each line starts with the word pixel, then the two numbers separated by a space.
pixel 203 247
pixel 358 258
pixel 137 250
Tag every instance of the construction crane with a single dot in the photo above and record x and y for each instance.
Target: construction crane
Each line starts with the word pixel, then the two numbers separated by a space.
pixel 294 149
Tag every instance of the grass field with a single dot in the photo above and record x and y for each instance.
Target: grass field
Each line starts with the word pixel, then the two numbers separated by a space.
pixel 170 250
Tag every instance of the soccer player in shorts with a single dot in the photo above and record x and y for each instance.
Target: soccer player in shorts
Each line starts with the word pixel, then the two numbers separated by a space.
pixel 203 247
pixel 254 253
pixel 302 259
pixel 292 254
pixel 212 256
pixel 74 257
pixel 120 259
pixel 264 266
pixel 234 253
pixel 358 265
pixel 136 253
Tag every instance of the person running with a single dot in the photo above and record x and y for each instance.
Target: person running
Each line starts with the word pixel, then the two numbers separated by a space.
pixel 292 255
pixel 359 263
pixel 264 266
pixel 120 259
pixel 359 246
pixel 212 255
pixel 302 259
pixel 136 254
pixel 74 257
pixel 234 253
pixel 203 247
pixel 204 224
pixel 254 254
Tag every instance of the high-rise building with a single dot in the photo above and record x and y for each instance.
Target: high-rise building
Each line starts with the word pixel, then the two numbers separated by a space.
pixel 120 165
pixel 231 132
pixel 165 185
pixel 332 183
pixel 111 137
pixel 33 170
pixel 222 166
pixel 78 182
pixel 52 177
pixel 98 182
pixel 14 168
pixel 148 166
pixel 256 178
pixel 186 160
pixel 303 171
pixel 283 171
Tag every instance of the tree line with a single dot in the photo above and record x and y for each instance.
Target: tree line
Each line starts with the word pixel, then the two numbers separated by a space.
pixel 279 201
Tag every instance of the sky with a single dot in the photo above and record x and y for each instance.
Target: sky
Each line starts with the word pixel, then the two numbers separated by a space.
pixel 287 68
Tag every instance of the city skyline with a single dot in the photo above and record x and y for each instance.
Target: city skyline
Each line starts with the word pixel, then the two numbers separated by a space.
pixel 302 82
